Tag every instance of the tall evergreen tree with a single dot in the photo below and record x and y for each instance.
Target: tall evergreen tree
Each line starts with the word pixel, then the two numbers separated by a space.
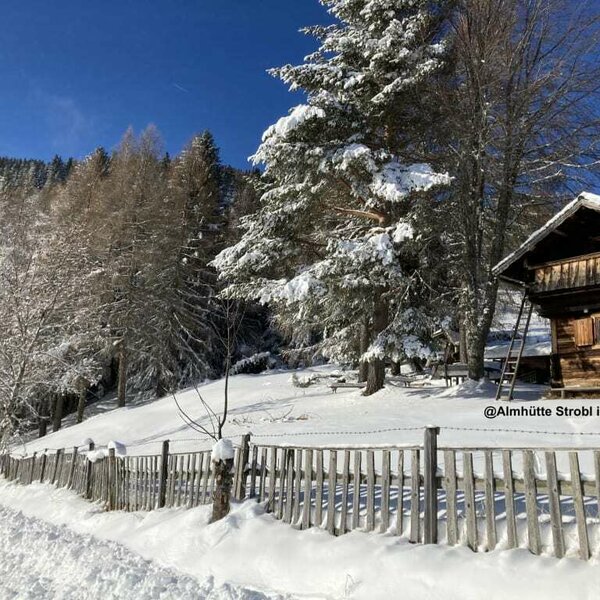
pixel 331 244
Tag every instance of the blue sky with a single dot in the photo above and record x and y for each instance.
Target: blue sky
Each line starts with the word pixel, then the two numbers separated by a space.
pixel 75 74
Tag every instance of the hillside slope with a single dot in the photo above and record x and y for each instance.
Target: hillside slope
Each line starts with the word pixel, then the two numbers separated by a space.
pixel 273 410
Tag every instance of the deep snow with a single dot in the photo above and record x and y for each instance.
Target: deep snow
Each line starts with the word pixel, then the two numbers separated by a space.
pixel 250 549
pixel 43 561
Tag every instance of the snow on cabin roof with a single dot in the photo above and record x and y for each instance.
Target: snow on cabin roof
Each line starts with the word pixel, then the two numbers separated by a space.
pixel 585 199
pixel 449 334
pixel 532 349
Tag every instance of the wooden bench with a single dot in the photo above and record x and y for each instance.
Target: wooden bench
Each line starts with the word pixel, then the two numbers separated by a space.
pixel 407 380
pixel 459 372
pixel 335 386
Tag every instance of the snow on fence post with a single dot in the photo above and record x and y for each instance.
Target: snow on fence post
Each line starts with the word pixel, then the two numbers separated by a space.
pixel 112 479
pixel 88 474
pixel 240 475
pixel 430 532
pixel 164 470
pixel 222 457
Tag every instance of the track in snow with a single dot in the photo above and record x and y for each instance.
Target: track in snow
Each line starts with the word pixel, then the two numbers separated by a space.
pixel 39 560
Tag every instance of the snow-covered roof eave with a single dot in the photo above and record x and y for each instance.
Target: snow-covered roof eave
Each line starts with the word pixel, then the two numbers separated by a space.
pixel 585 199
pixel 533 350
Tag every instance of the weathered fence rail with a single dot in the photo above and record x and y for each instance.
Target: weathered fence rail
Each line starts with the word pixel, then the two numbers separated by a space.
pixel 484 498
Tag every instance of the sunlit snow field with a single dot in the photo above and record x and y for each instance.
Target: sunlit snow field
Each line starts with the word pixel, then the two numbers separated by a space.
pixel 250 555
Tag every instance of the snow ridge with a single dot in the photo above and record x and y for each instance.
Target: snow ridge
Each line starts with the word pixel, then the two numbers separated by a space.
pixel 39 560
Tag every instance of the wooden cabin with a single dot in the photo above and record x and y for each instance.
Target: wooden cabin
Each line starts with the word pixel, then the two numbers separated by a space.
pixel 558 268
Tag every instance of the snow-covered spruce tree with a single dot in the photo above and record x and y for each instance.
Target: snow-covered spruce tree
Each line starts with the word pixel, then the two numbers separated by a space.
pixel 194 189
pixel 327 246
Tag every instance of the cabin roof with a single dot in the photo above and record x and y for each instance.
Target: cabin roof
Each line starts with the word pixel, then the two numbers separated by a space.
pixel 451 336
pixel 508 268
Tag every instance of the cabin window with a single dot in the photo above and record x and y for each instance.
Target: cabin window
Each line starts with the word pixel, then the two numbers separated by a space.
pixel 584 331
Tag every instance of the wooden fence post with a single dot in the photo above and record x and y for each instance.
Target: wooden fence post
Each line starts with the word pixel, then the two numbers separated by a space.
pixel 88 475
pixel 164 471
pixel 240 488
pixel 72 469
pixel 112 479
pixel 30 478
pixel 43 467
pixel 56 463
pixel 430 529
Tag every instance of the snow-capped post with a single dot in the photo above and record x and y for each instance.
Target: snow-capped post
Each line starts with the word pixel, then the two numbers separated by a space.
pixel 88 473
pixel 162 483
pixel 240 483
pixel 222 458
pixel 430 533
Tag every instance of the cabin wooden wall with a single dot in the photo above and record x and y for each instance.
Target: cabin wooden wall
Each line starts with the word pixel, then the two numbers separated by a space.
pixel 576 365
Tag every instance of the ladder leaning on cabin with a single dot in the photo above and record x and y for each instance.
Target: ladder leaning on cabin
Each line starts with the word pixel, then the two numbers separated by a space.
pixel 510 368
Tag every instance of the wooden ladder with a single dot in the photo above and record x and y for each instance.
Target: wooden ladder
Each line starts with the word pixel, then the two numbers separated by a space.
pixel 510 368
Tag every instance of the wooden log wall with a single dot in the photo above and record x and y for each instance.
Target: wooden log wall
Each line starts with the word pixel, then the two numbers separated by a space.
pixel 483 498
pixel 578 365
pixel 579 272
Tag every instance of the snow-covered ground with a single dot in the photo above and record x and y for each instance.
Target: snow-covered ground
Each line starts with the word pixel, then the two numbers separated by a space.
pixel 41 560
pixel 273 410
pixel 247 551
pixel 250 550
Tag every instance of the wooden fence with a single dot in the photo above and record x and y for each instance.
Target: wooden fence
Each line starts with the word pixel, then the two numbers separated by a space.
pixel 484 498
pixel 122 483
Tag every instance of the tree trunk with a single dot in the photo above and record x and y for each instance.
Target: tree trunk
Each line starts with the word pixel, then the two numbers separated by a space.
pixel 43 418
pixel 363 368
pixel 376 376
pixel 478 325
pixel 462 332
pixel 376 373
pixel 223 485
pixel 395 368
pixel 161 388
pixel 81 404
pixel 416 365
pixel 122 377
pixel 475 361
pixel 58 412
